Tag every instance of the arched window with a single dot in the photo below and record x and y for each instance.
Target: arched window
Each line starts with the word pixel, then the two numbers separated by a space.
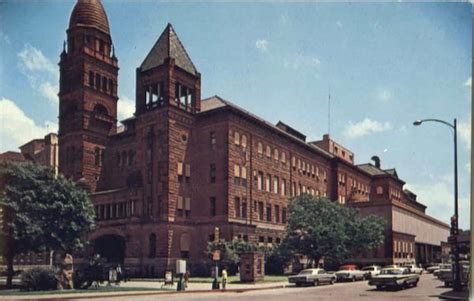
pixel 283 157
pixel 268 151
pixel 97 156
pixel 100 109
pixel 91 79
pixel 276 155
pixel 97 81
pixel 152 245
pixel 260 148
pixel 236 138
pixel 243 141
pixel 379 190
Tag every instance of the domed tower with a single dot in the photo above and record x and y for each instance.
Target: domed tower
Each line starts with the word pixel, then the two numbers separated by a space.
pixel 87 93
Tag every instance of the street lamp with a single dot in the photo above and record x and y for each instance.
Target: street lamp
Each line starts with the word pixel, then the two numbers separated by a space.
pixel 455 219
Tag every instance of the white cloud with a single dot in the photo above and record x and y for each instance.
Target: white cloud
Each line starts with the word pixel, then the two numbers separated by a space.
pixel 50 92
pixel 125 108
pixel 437 194
pixel 464 132
pixel 468 82
pixel 365 127
pixel 384 95
pixel 40 71
pixel 16 128
pixel 262 45
pixel 298 61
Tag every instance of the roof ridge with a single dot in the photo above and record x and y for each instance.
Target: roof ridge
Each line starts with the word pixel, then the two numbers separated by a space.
pixel 182 46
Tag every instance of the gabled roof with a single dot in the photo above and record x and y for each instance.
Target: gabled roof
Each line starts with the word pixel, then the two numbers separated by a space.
pixel 168 46
pixel 375 171
pixel 216 102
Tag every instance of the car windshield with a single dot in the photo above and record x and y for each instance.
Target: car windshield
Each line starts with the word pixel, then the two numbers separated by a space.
pixel 306 272
pixel 391 272
pixel 368 269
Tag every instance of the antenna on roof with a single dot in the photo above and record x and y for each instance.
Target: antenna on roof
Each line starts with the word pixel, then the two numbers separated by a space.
pixel 329 110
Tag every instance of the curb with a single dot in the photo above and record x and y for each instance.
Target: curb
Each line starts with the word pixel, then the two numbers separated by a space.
pixel 448 297
pixel 146 293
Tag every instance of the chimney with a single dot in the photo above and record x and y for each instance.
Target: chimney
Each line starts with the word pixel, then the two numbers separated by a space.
pixel 376 160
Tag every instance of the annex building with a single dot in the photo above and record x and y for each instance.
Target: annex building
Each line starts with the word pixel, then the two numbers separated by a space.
pixel 184 165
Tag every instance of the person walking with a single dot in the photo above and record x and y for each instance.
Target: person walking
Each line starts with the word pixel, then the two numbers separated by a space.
pixel 224 278
pixel 186 278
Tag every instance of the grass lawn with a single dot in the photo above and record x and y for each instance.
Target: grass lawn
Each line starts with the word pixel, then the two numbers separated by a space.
pixel 231 279
pixel 101 289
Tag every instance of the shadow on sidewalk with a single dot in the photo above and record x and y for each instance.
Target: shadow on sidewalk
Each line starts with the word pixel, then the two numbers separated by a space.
pixel 451 295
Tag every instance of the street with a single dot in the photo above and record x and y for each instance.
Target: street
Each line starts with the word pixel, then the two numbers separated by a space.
pixel 428 289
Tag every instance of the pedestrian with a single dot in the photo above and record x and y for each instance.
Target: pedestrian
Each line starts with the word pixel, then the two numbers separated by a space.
pixel 186 278
pixel 119 274
pixel 224 278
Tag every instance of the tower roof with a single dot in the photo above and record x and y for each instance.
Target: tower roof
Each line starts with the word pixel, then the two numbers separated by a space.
pixel 89 13
pixel 168 46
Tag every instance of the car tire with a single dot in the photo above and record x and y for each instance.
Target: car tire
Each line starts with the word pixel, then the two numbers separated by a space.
pixel 316 283
pixel 378 287
pixel 298 284
pixel 332 281
pixel 415 284
pixel 353 278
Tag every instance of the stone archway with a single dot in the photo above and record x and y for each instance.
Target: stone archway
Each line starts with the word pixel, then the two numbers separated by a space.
pixel 111 247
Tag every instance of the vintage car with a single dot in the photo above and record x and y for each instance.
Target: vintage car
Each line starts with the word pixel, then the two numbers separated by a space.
pixel 349 273
pixel 395 278
pixel 442 268
pixel 431 268
pixel 413 268
pixel 312 277
pixel 446 275
pixel 371 270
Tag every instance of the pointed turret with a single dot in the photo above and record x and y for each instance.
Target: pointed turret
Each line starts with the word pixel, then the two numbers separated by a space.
pixel 168 77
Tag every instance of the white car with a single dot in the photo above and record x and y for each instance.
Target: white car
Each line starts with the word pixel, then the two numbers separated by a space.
pixel 371 270
pixel 413 268
pixel 349 273
pixel 395 277
pixel 312 277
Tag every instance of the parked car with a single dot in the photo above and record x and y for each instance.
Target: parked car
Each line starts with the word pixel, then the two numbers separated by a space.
pixel 442 267
pixel 431 268
pixel 413 268
pixel 446 275
pixel 395 278
pixel 349 273
pixel 313 277
pixel 371 270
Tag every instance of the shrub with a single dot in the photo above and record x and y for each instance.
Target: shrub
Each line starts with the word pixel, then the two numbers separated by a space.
pixel 39 279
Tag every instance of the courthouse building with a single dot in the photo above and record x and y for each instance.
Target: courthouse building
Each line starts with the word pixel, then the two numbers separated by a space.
pixel 182 165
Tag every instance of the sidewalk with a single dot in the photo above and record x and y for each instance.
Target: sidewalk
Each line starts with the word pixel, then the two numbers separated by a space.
pixel 192 288
pixel 455 295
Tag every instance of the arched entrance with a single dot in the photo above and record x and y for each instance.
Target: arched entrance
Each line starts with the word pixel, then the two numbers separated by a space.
pixel 111 247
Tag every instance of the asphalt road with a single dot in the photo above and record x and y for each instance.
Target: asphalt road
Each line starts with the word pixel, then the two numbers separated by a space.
pixel 428 289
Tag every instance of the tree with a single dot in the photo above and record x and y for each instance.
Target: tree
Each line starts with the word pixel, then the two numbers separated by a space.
pixel 41 212
pixel 230 252
pixel 320 228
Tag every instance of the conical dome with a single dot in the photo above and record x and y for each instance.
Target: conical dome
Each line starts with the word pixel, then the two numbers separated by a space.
pixel 89 13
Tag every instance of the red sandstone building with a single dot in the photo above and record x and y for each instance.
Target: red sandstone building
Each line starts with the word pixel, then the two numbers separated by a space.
pixel 183 165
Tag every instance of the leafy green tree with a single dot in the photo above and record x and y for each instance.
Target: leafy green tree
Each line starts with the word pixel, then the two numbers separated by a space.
pixel 41 212
pixel 320 228
pixel 230 252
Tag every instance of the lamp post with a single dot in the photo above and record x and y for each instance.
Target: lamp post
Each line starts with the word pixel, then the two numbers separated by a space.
pixel 454 220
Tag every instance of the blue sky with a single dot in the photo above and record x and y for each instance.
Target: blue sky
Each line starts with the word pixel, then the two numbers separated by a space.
pixel 386 64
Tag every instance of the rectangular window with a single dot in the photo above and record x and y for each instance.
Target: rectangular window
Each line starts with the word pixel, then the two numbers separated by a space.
pixel 212 173
pixel 187 172
pixel 260 211
pixel 268 181
pixel 276 184
pixel 180 171
pixel 212 206
pixel 244 208
pixel 237 207
pixel 180 206
pixel 243 176
pixel 277 214
pixel 283 215
pixel 283 187
pixel 212 140
pixel 260 180
pixel 236 174
pixel 269 213
pixel 187 206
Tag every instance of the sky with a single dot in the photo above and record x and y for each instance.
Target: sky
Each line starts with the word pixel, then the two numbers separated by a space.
pixel 384 65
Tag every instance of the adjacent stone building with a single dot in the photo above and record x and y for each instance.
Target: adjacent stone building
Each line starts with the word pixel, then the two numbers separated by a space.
pixel 183 165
